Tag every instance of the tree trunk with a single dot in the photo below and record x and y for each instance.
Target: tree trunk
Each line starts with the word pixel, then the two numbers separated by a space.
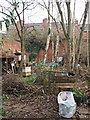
pixel 57 47
pixel 22 41
pixel 74 39
pixel 81 34
pixel 53 56
pixel 49 32
pixel 52 50
pixel 66 33
pixel 69 34
pixel 88 39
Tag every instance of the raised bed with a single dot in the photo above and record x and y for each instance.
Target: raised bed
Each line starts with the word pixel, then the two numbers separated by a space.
pixel 61 80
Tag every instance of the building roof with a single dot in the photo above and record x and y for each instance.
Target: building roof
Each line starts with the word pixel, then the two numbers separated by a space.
pixel 12 27
pixel 87 27
pixel 28 25
pixel 35 25
pixel 11 44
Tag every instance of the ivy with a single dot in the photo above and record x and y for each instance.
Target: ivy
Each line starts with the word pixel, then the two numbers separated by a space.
pixel 33 44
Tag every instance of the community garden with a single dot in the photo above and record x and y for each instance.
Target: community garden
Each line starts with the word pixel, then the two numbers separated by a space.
pixel 35 96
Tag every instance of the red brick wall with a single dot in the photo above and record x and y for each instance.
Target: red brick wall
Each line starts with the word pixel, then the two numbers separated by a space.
pixel 62 48
pixel 14 45
pixel 44 24
pixel 85 35
pixel 49 53
pixel 40 56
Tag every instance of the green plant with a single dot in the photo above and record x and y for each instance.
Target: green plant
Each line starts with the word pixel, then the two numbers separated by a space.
pixel 5 97
pixel 41 73
pixel 78 94
pixel 3 111
pixel 29 79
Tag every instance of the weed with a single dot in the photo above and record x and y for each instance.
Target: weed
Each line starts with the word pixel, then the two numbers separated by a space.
pixel 3 111
pixel 29 79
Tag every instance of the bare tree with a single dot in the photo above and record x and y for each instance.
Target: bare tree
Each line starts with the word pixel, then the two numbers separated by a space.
pixel 49 32
pixel 15 12
pixel 52 35
pixel 66 32
pixel 74 39
pixel 81 34
pixel 71 48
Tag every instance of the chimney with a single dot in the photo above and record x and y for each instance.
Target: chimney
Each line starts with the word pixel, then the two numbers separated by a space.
pixel 76 22
pixel 45 24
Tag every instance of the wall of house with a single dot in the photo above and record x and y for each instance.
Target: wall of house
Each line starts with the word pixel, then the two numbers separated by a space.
pixel 85 35
pixel 11 44
pixel 40 56
pixel 44 24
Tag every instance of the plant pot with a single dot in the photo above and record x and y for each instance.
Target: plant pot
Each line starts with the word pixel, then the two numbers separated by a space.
pixel 78 100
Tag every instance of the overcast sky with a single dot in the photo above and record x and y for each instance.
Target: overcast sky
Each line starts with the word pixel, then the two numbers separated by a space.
pixel 38 14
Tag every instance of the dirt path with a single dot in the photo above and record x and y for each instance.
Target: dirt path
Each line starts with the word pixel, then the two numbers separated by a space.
pixel 37 106
pixel 32 107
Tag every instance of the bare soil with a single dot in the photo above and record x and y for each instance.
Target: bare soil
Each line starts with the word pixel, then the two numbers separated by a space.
pixel 30 101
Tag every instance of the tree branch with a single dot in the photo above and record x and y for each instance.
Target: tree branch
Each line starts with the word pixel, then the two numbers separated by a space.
pixel 81 33
pixel 62 20
pixel 69 17
pixel 14 23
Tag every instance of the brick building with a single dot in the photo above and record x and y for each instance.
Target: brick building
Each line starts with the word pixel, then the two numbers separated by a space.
pixel 12 49
pixel 43 26
pixel 64 45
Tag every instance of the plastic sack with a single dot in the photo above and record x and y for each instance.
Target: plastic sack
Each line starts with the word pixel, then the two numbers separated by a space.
pixel 67 105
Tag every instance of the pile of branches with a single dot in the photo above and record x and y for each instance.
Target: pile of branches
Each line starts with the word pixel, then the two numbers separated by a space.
pixel 11 84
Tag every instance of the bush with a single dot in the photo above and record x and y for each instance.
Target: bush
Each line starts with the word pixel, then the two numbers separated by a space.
pixel 41 74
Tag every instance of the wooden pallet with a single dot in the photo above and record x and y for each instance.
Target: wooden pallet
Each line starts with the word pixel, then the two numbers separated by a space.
pixel 64 86
pixel 61 82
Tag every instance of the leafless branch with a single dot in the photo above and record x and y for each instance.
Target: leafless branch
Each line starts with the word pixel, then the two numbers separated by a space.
pixel 62 20
pixel 13 20
pixel 69 17
pixel 81 33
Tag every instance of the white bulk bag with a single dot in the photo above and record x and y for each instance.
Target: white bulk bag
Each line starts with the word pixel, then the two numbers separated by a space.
pixel 67 105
